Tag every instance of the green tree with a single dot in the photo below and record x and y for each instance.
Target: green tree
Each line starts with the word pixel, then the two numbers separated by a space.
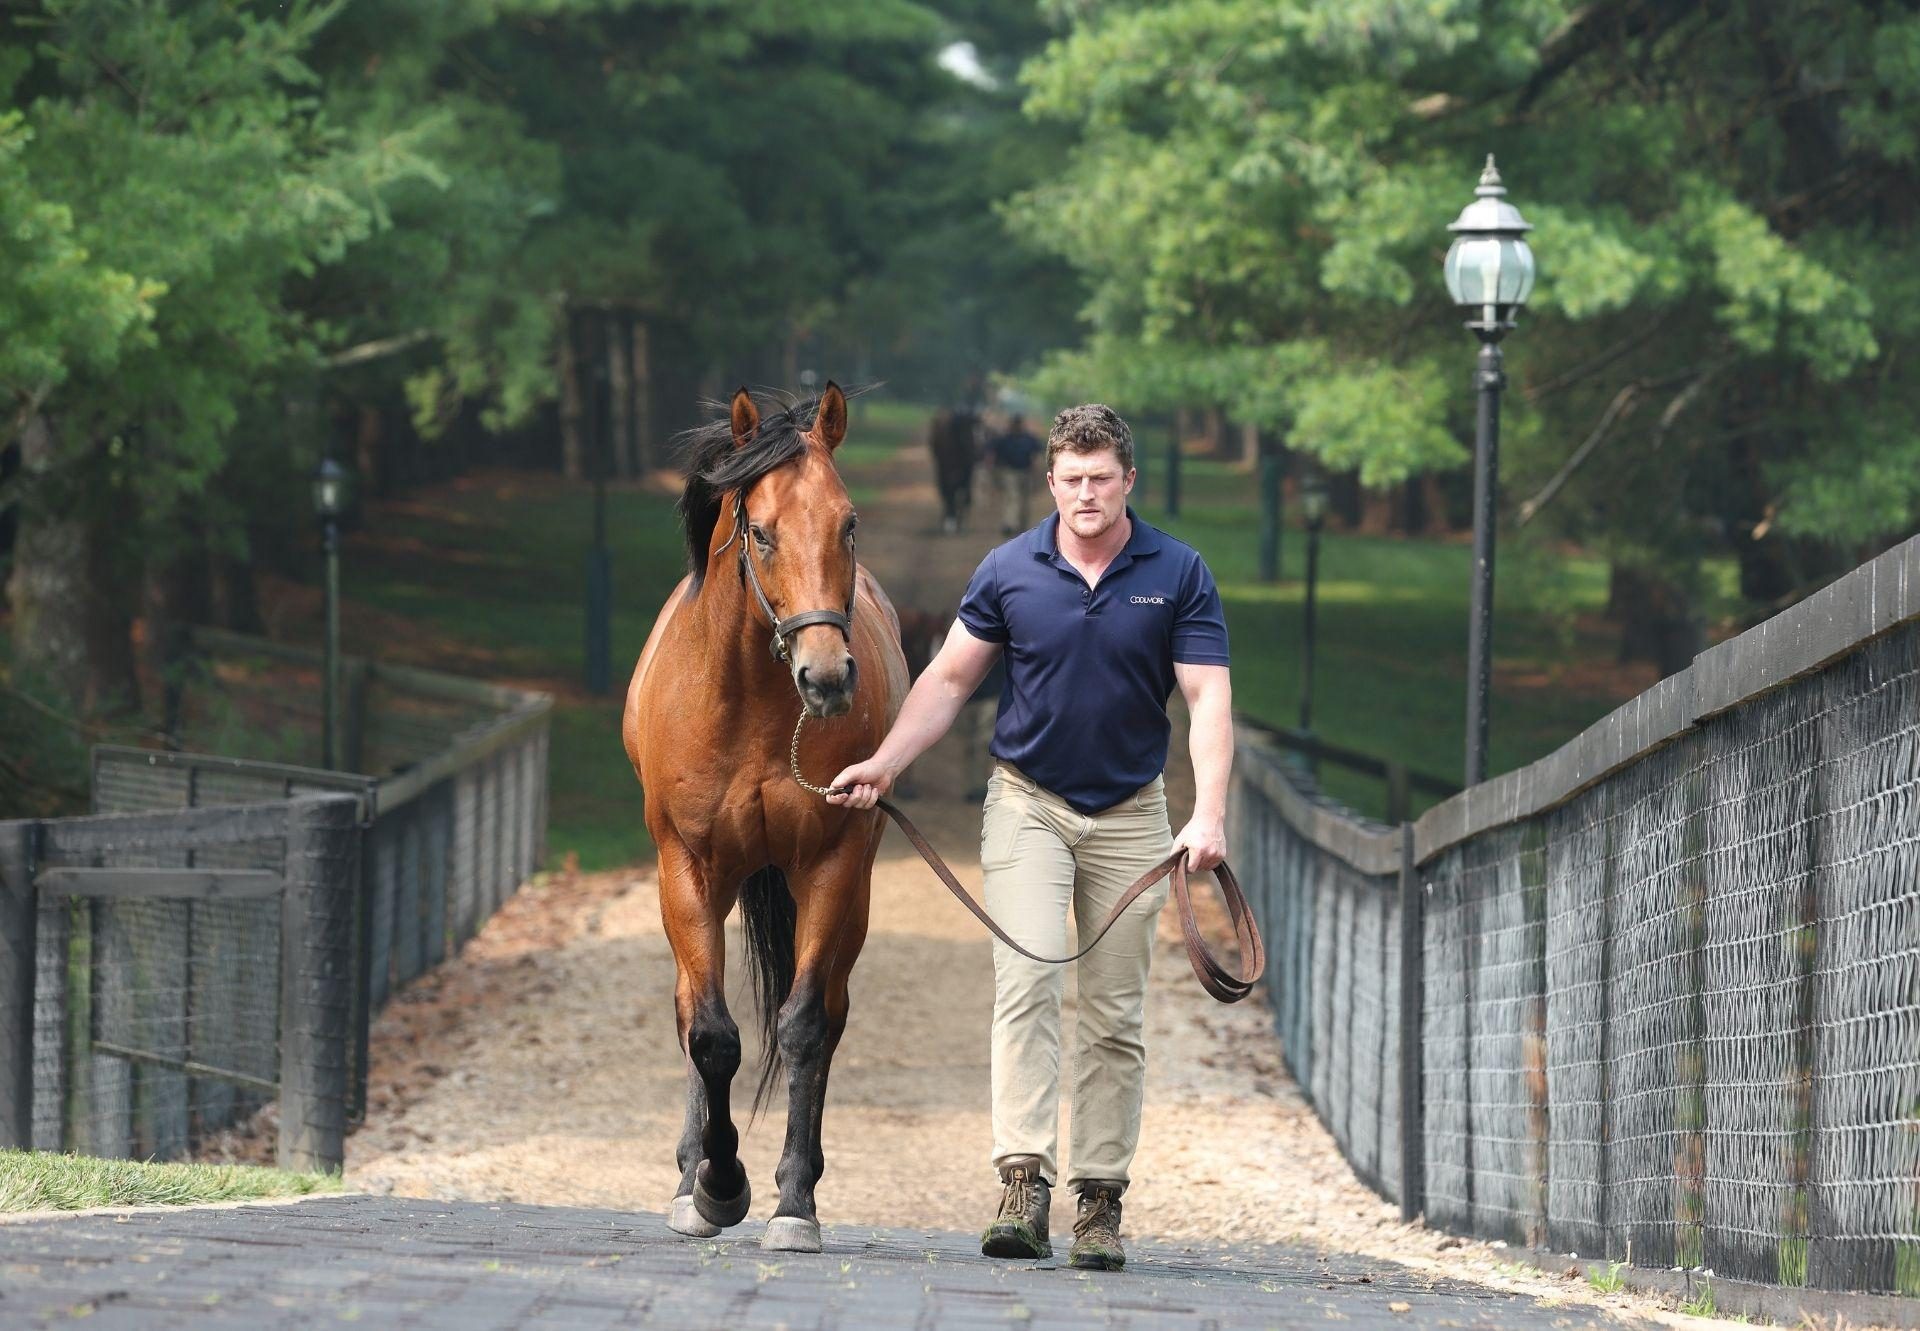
pixel 1724 200
pixel 182 161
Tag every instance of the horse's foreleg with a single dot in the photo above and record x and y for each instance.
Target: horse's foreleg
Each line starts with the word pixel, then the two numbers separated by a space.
pixel 685 1217
pixel 831 928
pixel 713 1183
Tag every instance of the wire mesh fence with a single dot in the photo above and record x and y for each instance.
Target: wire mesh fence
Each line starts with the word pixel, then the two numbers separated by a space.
pixel 1333 939
pixel 158 1018
pixel 168 994
pixel 1668 1006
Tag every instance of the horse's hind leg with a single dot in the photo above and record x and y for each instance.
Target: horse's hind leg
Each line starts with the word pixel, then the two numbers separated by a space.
pixel 713 1182
pixel 831 928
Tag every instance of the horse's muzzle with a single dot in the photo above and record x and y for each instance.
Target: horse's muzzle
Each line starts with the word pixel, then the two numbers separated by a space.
pixel 827 692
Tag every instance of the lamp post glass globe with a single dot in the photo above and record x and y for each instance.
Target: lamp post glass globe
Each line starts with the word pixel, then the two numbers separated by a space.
pixel 329 490
pixel 1313 499
pixel 1489 266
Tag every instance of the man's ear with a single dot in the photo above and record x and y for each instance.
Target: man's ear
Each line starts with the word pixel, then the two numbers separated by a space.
pixel 746 417
pixel 830 422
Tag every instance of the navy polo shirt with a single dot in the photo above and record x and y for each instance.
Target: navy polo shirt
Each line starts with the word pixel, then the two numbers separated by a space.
pixel 1083 710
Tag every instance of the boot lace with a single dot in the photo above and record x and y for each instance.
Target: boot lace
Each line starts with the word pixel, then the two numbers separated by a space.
pixel 1019 1200
pixel 1098 1220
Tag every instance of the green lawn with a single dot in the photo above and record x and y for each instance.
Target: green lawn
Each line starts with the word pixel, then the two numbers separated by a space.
pixel 497 567
pixel 42 1181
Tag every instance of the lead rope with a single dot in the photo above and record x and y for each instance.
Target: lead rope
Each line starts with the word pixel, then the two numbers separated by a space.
pixel 793 757
pixel 1215 978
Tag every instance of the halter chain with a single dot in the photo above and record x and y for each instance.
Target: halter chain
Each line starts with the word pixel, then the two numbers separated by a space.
pixel 793 758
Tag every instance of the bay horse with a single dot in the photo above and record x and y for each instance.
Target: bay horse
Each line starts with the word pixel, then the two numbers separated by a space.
pixel 775 618
pixel 954 438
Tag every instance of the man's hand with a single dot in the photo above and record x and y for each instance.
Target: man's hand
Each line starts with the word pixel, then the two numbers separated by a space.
pixel 863 784
pixel 1205 841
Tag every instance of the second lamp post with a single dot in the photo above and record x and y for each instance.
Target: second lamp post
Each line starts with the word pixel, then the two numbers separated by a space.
pixel 1313 507
pixel 1489 271
pixel 329 503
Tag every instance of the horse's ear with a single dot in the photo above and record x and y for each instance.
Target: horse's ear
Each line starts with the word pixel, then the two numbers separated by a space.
pixel 746 417
pixel 830 422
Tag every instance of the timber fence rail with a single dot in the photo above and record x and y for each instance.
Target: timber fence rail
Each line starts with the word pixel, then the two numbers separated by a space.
pixel 1654 998
pixel 159 1015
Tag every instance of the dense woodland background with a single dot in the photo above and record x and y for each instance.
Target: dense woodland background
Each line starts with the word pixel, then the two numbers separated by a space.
pixel 427 236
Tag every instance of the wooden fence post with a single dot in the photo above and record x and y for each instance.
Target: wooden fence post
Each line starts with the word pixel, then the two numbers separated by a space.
pixel 1413 971
pixel 19 921
pixel 316 975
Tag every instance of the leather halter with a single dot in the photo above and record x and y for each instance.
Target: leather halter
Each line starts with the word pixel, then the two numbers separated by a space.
pixel 782 628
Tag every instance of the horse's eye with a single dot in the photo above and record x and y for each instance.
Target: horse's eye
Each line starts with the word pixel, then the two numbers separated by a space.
pixel 754 530
pixel 851 524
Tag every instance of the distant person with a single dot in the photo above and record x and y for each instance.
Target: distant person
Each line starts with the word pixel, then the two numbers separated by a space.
pixel 1013 454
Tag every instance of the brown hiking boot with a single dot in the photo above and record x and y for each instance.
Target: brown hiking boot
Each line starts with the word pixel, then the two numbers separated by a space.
pixel 1020 1229
pixel 1096 1232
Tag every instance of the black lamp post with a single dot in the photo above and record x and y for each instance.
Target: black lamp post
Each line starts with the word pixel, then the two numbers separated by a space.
pixel 1313 507
pixel 329 502
pixel 1489 271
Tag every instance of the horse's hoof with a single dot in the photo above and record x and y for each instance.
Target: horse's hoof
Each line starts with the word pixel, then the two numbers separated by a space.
pixel 721 1211
pixel 686 1219
pixel 791 1233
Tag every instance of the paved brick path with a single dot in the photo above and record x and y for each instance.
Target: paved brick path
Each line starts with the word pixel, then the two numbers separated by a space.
pixel 395 1262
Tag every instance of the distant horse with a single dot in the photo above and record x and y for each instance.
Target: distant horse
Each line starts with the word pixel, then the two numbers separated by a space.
pixel 954 437
pixel 776 616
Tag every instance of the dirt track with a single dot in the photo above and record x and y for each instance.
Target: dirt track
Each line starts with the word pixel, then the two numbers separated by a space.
pixel 542 1065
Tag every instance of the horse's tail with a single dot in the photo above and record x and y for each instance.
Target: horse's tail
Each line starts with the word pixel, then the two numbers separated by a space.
pixel 767 910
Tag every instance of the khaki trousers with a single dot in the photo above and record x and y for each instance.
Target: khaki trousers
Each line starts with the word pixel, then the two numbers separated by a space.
pixel 1037 855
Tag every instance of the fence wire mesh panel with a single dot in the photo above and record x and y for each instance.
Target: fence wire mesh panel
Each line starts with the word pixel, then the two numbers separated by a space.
pixel 1332 979
pixel 1580 858
pixel 155 1016
pixel 1672 1018
pixel 154 1011
pixel 1864 1187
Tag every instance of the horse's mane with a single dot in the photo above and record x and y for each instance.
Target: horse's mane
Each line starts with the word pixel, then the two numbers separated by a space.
pixel 715 468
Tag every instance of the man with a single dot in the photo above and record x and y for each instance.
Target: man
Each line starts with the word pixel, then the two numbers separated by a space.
pixel 1097 616
pixel 1013 454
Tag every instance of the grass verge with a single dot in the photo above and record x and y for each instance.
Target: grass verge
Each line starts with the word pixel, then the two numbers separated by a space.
pixel 44 1181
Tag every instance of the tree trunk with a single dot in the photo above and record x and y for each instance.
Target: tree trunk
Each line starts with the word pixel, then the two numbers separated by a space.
pixel 73 603
pixel 640 383
pixel 368 454
pixel 177 598
pixel 1656 617
pixel 1249 446
pixel 1215 429
pixel 572 453
pixel 790 360
pixel 232 600
pixel 113 599
pixel 620 397
pixel 48 587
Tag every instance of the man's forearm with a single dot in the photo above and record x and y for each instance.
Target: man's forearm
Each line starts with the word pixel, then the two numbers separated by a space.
pixel 1210 741
pixel 925 716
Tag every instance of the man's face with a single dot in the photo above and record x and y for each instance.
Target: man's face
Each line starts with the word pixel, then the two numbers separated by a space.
pixel 1090 491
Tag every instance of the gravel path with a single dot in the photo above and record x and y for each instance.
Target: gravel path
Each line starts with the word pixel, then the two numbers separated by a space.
pixel 542 1065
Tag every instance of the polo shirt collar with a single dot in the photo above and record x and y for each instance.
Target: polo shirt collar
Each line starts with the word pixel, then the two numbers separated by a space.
pixel 1141 542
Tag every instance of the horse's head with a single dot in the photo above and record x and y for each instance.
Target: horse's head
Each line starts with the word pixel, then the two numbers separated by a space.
pixel 799 539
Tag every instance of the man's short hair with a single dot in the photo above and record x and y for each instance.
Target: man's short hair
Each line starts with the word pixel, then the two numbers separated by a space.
pixel 1088 429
